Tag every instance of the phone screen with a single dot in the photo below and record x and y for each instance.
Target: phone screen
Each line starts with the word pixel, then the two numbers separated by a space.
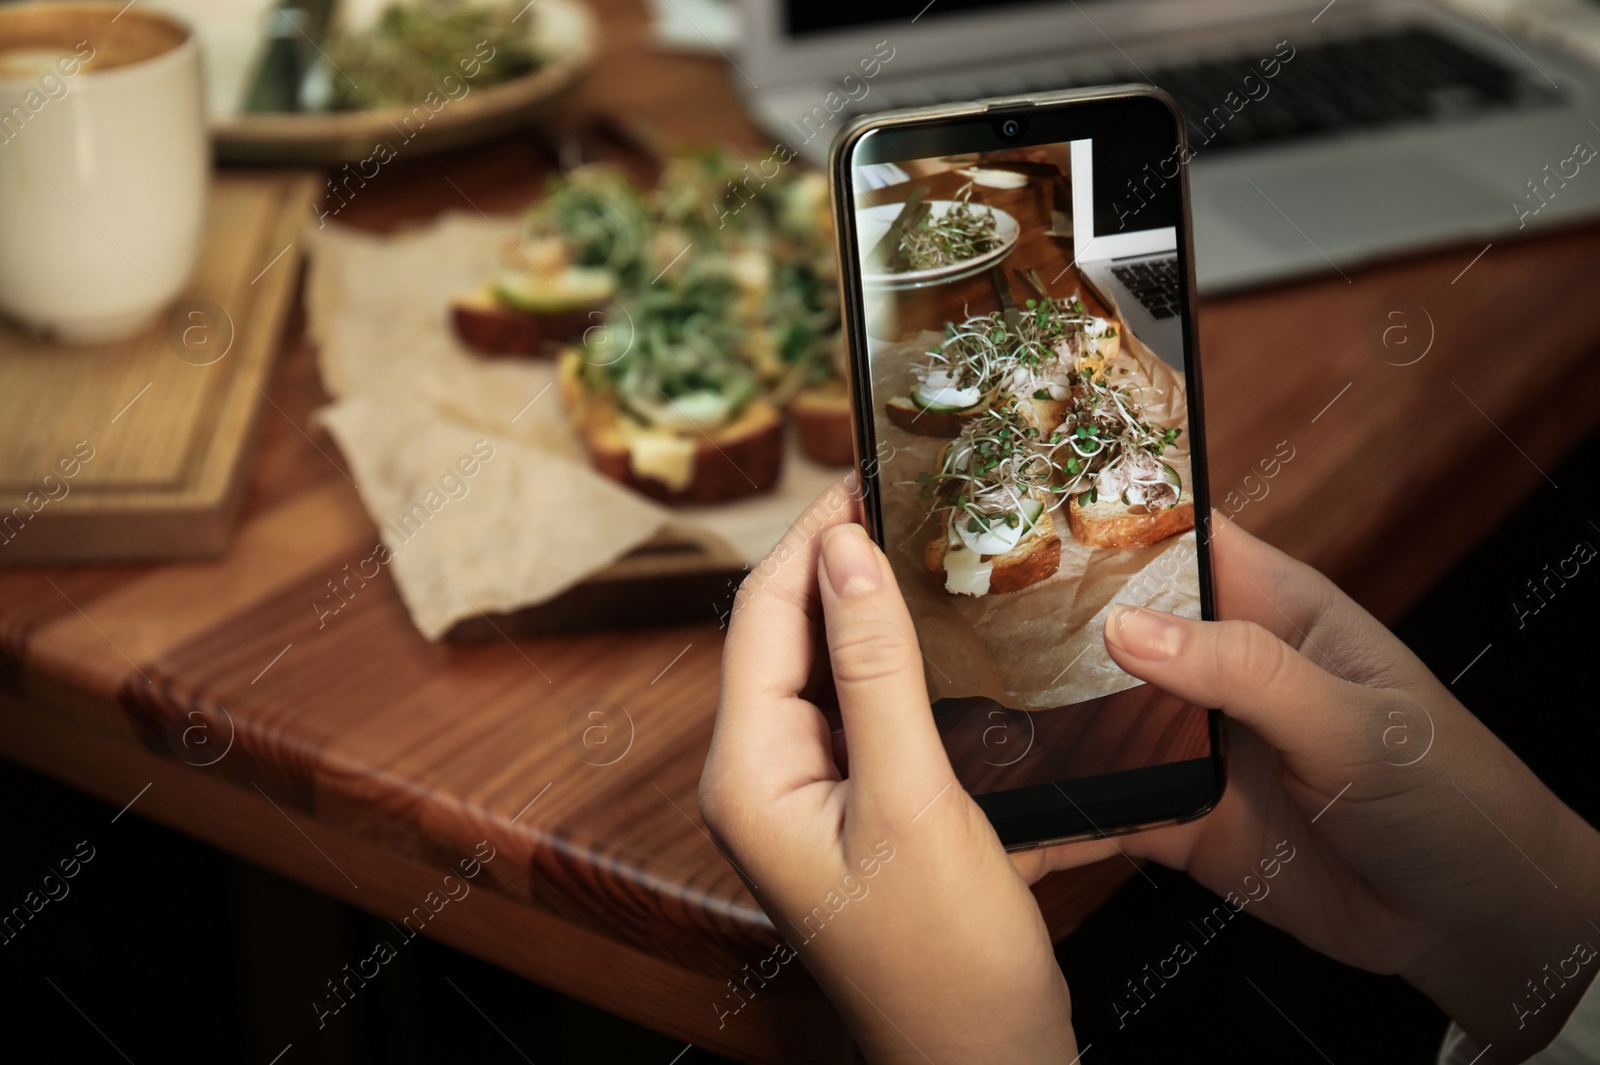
pixel 1027 412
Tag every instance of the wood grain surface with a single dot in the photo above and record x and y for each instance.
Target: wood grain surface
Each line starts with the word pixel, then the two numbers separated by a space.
pixel 365 761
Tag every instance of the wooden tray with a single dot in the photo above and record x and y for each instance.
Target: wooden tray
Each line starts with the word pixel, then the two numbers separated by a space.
pixel 140 449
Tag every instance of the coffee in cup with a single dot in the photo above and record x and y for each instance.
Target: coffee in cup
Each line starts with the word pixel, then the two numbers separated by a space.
pixel 103 166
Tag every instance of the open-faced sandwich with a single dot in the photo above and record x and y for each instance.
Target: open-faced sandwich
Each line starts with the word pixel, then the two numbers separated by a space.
pixel 1120 493
pixel 798 349
pixel 955 382
pixel 987 361
pixel 666 405
pixel 692 316
pixel 1043 419
pixel 1054 344
pixel 821 411
pixel 1086 340
pixel 992 500
pixel 775 231
pixel 579 246
pixel 806 313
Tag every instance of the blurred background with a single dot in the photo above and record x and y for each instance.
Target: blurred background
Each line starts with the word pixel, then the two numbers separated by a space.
pixel 367 709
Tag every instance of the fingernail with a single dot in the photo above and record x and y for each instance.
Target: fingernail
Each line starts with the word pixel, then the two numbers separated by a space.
pixel 1146 634
pixel 851 560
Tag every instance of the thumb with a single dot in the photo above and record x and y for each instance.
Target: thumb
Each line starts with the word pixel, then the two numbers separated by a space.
pixel 895 749
pixel 1246 672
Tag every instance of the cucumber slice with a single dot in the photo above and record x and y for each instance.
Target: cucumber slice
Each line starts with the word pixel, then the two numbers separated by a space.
pixel 938 408
pixel 921 399
pixel 576 288
pixel 700 411
pixel 1000 536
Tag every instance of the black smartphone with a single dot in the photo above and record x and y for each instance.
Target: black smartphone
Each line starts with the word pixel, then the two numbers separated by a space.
pixel 1018 289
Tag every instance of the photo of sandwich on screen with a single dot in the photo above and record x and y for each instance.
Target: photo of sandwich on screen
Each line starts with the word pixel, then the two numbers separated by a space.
pixel 1027 339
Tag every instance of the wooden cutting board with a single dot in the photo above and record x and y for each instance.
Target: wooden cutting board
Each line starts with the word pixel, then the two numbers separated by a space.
pixel 140 449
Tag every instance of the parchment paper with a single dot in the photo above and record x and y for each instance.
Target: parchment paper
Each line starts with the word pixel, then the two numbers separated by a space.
pixel 410 401
pixel 1040 647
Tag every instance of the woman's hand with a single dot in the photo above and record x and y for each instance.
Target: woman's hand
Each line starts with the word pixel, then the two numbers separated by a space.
pixel 890 886
pixel 1422 845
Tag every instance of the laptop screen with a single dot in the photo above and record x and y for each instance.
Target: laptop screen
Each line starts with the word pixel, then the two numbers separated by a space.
pixel 804 18
pixel 1135 189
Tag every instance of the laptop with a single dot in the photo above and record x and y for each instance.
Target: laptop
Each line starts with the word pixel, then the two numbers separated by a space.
pixel 1130 268
pixel 1324 134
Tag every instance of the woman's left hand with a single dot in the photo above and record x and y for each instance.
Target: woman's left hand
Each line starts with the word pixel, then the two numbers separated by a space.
pixel 890 885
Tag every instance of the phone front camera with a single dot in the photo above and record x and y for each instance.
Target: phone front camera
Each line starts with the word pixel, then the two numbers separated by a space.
pixel 1010 128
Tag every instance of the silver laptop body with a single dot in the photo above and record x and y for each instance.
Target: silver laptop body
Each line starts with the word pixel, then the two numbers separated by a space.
pixel 1267 210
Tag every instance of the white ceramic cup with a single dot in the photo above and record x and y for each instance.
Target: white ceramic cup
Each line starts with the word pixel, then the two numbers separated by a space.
pixel 103 167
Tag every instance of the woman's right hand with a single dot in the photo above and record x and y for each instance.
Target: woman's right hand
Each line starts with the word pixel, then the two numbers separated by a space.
pixel 1422 845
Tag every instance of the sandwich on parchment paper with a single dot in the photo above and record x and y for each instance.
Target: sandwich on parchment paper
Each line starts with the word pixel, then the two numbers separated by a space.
pixel 1044 417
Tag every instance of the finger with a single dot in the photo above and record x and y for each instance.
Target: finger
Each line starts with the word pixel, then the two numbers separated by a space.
pixel 877 672
pixel 765 733
pixel 1034 864
pixel 768 647
pixel 1257 582
pixel 1246 568
pixel 1244 670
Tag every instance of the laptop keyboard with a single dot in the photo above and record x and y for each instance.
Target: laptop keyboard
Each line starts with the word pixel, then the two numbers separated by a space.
pixel 1154 284
pixel 1378 79
pixel 1350 83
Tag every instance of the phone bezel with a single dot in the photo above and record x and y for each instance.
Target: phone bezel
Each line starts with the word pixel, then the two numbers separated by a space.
pixel 1106 804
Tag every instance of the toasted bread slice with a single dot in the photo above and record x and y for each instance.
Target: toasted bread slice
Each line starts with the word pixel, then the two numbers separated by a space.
pixel 914 419
pixel 489 327
pixel 1111 524
pixel 1036 556
pixel 1046 415
pixel 1105 351
pixel 738 459
pixel 822 415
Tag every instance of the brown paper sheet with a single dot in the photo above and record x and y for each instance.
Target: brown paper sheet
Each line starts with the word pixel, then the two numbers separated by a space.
pixel 410 401
pixel 460 543
pixel 1040 647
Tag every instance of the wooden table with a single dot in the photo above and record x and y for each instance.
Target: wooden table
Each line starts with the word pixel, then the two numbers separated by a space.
pixel 366 762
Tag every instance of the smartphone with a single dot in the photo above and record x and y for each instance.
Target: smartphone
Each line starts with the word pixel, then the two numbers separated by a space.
pixel 1018 292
